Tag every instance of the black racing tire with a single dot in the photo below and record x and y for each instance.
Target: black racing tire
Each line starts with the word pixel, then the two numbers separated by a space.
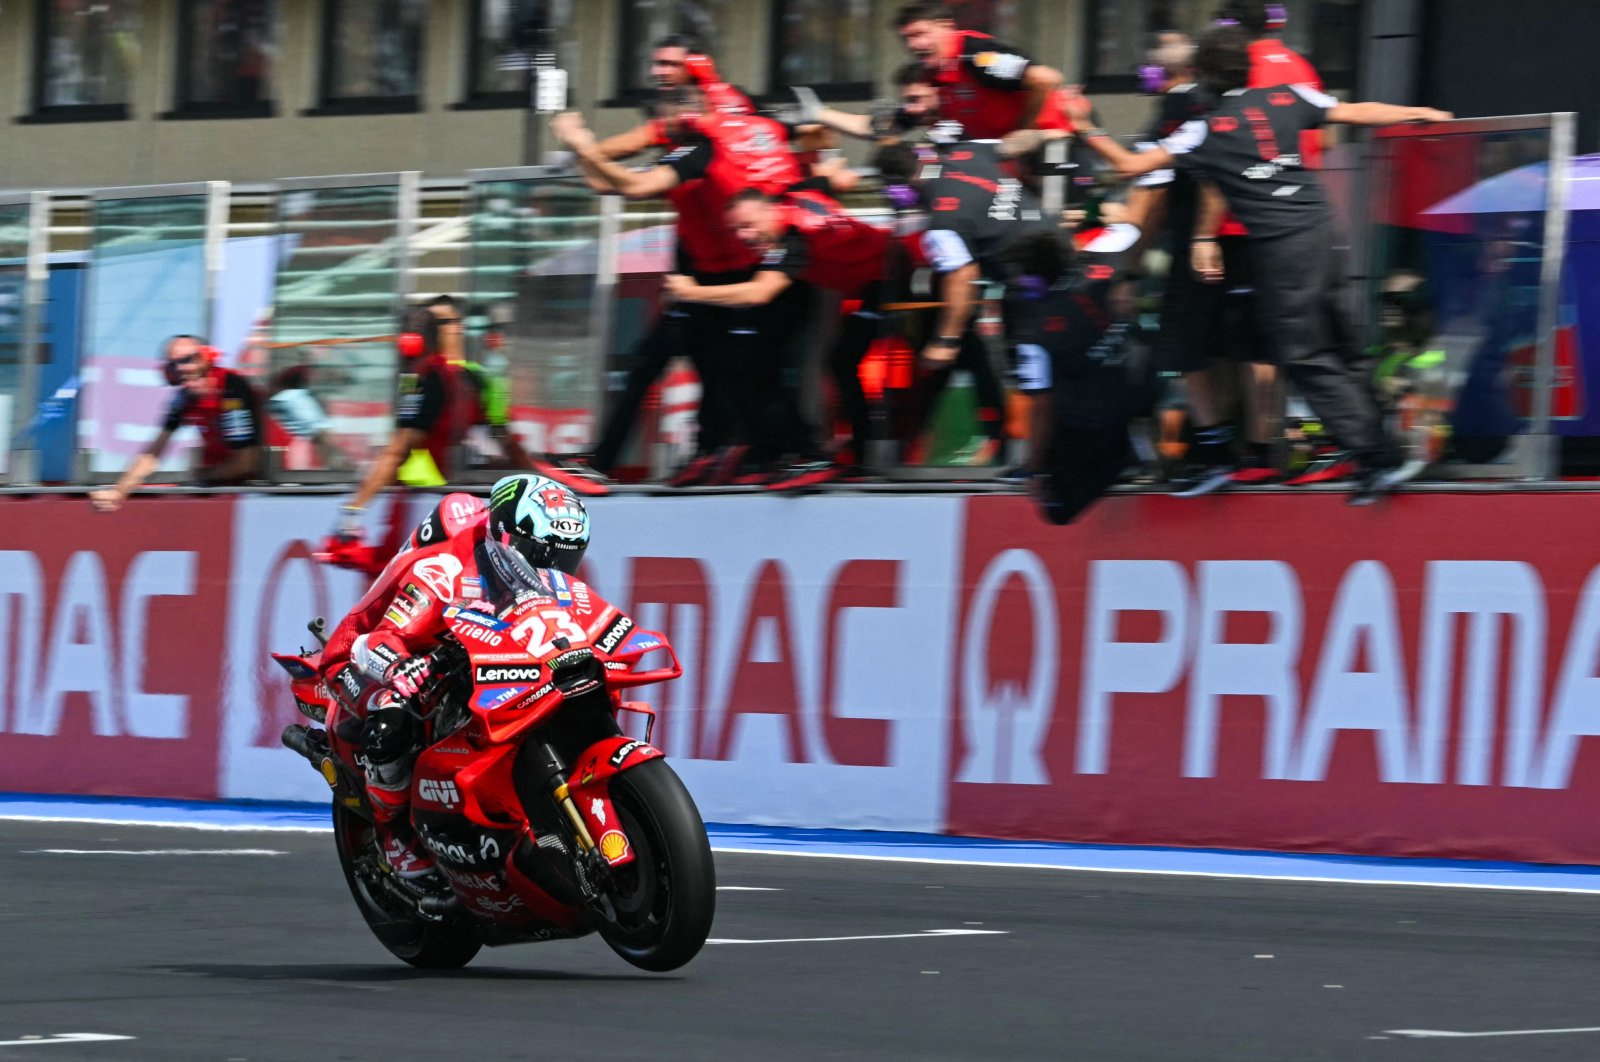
pixel 667 897
pixel 424 944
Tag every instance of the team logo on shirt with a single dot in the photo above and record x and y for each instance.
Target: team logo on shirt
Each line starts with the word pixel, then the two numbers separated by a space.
pixel 1280 99
pixel 1223 123
pixel 1000 65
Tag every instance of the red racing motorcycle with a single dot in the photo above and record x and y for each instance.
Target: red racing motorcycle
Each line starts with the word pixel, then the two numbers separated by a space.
pixel 546 820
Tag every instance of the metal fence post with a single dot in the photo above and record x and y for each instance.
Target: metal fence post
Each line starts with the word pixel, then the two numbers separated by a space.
pixel 1541 457
pixel 25 457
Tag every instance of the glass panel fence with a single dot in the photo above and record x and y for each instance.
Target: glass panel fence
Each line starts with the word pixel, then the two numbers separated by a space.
pixel 339 288
pixel 1459 258
pixel 148 281
pixel 15 240
pixel 541 282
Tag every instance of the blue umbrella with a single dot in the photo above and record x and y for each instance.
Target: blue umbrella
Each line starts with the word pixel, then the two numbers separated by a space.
pixel 1525 190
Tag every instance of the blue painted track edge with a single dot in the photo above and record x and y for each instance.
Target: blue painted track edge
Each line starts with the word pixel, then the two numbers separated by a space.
pixel 246 816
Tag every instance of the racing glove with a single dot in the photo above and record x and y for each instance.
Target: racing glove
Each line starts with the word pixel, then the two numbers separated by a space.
pixel 408 676
pixel 349 528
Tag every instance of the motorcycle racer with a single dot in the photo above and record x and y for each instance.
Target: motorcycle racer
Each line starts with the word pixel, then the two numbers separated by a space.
pixel 377 657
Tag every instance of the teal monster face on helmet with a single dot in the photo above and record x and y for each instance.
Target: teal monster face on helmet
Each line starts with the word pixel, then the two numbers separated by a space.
pixel 544 521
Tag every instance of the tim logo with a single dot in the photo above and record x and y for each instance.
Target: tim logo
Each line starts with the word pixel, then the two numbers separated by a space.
pixel 437 792
pixel 1224 124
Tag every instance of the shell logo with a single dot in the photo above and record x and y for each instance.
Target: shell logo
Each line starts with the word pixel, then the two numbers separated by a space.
pixel 613 845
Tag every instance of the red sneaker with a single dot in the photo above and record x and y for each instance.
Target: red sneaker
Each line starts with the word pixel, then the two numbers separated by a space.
pixel 1257 476
pixel 1327 468
pixel 806 475
pixel 694 472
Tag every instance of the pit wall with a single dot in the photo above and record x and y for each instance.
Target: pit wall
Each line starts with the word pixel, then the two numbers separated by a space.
pixel 1263 672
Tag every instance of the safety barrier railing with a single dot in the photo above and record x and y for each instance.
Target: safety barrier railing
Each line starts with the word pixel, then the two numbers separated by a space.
pixel 309 275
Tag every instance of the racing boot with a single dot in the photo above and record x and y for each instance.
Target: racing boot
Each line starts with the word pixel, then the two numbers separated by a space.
pixel 387 748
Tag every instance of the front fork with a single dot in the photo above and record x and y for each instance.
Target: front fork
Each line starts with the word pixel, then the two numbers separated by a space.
pixel 594 873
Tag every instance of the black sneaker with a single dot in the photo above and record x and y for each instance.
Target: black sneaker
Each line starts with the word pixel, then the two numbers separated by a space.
pixel 1374 483
pixel 1193 481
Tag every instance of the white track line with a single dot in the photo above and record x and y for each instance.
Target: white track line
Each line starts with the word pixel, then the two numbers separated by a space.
pixel 157 851
pixel 745 888
pixel 926 934
pixel 63 1038
pixel 205 827
pixel 1425 1034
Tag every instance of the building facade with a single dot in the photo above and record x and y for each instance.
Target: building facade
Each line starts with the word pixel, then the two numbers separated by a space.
pixel 121 92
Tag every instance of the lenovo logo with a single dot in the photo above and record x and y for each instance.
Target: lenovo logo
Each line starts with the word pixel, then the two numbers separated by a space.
pixel 527 673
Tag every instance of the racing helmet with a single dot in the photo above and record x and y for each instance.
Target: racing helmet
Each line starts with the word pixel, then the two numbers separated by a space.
pixel 540 519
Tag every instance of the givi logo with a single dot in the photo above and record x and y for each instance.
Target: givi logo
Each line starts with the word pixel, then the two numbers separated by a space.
pixel 110 648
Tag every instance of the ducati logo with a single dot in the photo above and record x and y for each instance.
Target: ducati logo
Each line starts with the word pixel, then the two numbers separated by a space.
pixel 440 574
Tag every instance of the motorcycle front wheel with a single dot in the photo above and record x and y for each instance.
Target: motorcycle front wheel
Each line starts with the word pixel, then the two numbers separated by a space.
pixel 424 944
pixel 666 898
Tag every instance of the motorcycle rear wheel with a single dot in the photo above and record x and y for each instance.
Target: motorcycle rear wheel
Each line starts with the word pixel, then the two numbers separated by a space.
pixel 424 944
pixel 666 898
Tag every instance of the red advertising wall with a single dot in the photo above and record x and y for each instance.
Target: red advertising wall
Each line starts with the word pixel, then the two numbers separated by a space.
pixel 1284 673
pixel 111 646
pixel 1264 671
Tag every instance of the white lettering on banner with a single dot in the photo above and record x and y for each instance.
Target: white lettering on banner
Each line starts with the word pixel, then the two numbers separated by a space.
pixel 1006 728
pixel 21 621
pixel 156 574
pixel 83 655
pixel 1343 698
pixel 1111 667
pixel 815 638
pixel 1361 674
pixel 74 666
pixel 1483 592
pixel 1576 712
pixel 1264 669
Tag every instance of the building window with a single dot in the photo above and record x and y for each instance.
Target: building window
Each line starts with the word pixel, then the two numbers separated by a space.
pixel 227 55
pixel 86 55
pixel 1327 32
pixel 1001 19
pixel 826 44
pixel 644 22
pixel 372 54
pixel 496 67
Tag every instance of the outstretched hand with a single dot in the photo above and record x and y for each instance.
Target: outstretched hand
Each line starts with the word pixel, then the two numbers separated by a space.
pixel 1077 105
pixel 678 286
pixel 108 500
pixel 570 128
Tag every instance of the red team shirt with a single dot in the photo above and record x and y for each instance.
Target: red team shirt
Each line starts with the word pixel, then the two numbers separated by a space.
pixel 980 85
pixel 825 247
pixel 730 153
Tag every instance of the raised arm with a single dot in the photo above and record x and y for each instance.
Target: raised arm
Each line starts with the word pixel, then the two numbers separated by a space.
pixel 1384 114
pixel 110 499
pixel 570 129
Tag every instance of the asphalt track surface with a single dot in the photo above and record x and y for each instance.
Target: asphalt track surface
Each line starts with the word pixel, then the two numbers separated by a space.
pixel 263 956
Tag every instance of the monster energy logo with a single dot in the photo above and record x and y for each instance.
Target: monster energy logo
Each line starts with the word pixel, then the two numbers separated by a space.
pixel 504 492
